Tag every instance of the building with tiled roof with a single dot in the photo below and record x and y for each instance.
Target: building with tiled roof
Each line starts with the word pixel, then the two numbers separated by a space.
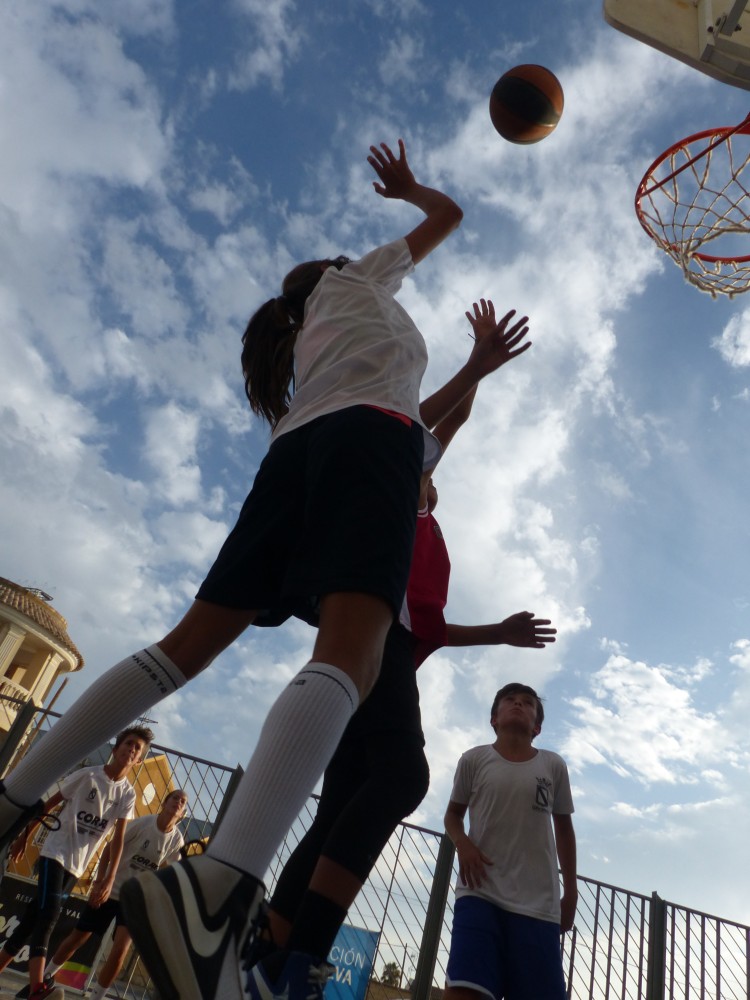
pixel 35 649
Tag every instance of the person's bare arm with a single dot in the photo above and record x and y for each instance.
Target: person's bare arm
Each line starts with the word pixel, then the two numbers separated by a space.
pixel 472 863
pixel 521 629
pixel 565 839
pixel 495 343
pixel 397 181
pixel 18 848
pixel 108 865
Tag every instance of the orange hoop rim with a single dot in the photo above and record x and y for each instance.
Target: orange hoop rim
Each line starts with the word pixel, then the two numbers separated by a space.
pixel 721 135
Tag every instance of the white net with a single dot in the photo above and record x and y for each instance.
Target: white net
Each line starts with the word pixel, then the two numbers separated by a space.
pixel 695 204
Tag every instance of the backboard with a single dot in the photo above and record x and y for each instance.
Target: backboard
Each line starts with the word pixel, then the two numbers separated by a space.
pixel 712 36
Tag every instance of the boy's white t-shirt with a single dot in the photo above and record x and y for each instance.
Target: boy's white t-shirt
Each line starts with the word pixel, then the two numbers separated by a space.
pixel 145 848
pixel 511 805
pixel 358 346
pixel 93 804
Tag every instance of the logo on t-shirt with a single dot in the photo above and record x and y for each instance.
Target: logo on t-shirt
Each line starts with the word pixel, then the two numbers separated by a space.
pixel 143 863
pixel 543 794
pixel 93 825
pixel 145 844
pixel 92 795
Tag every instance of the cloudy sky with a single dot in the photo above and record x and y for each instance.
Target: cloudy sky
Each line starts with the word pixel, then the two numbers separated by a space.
pixel 163 165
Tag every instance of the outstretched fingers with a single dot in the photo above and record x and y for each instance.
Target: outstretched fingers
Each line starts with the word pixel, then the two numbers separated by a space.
pixel 482 320
pixel 392 170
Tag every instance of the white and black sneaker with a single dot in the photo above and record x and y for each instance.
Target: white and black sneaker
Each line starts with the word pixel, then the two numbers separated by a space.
pixel 191 923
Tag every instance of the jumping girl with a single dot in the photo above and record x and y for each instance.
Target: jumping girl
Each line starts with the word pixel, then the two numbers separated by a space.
pixel 327 530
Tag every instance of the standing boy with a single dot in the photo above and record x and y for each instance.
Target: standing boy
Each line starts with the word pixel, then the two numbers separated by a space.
pixel 508 914
pixel 151 842
pixel 98 800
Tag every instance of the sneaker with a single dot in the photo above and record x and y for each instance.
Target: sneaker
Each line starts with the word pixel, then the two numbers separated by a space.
pixel 192 923
pixel 26 991
pixel 47 991
pixel 302 978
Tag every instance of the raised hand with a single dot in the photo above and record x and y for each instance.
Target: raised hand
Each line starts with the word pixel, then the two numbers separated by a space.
pixel 495 343
pixel 397 180
pixel 523 629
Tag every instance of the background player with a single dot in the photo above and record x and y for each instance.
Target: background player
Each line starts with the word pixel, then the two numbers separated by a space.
pixel 98 801
pixel 508 913
pixel 151 842
pixel 348 447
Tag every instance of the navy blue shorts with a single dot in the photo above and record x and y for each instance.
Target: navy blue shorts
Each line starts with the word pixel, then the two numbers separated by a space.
pixel 332 509
pixel 504 955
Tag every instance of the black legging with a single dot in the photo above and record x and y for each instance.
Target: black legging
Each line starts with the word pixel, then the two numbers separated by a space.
pixel 40 916
pixel 378 776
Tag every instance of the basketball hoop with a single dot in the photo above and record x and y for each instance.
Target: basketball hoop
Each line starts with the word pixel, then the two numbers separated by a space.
pixel 709 208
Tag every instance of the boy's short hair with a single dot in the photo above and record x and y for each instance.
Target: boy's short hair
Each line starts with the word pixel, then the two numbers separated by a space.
pixel 142 732
pixel 176 791
pixel 517 688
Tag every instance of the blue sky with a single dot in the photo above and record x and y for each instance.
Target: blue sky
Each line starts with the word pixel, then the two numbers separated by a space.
pixel 164 165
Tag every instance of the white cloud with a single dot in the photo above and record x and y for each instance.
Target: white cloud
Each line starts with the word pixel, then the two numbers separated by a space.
pixel 171 448
pixel 734 341
pixel 640 722
pixel 274 38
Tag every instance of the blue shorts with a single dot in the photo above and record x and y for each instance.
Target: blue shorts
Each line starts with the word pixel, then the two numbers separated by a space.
pixel 504 955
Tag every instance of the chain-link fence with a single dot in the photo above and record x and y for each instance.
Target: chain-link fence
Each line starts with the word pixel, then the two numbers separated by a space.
pixel 624 946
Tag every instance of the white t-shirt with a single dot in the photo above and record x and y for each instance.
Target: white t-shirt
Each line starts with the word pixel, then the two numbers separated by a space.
pixel 510 819
pixel 145 848
pixel 359 346
pixel 93 804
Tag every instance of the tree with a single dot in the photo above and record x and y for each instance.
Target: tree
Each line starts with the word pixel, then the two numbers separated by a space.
pixel 391 975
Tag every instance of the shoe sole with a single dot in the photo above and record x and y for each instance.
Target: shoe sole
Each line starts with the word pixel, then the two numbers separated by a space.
pixel 142 899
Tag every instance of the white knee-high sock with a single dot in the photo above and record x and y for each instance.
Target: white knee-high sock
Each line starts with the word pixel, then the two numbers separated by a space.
pixel 110 704
pixel 297 741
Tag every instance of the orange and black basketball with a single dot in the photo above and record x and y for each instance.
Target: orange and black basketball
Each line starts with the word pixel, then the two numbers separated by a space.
pixel 526 104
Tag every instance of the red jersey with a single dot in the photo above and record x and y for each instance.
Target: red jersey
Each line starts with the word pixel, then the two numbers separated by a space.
pixel 427 589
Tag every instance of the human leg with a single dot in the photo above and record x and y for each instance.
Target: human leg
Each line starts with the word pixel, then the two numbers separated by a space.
pixel 301 731
pixel 346 772
pixel 117 953
pixel 66 949
pixel 377 776
pixel 93 920
pixel 396 783
pixel 36 925
pixel 298 738
pixel 112 701
pixel 463 993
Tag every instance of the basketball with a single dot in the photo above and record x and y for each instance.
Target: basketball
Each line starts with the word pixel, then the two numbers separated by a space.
pixel 526 104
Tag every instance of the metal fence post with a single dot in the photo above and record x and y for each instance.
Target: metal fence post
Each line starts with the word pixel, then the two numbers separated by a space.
pixel 228 795
pixel 433 923
pixel 16 733
pixel 657 948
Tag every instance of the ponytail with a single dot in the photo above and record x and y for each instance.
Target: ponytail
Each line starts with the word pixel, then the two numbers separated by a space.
pixel 268 360
pixel 269 338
